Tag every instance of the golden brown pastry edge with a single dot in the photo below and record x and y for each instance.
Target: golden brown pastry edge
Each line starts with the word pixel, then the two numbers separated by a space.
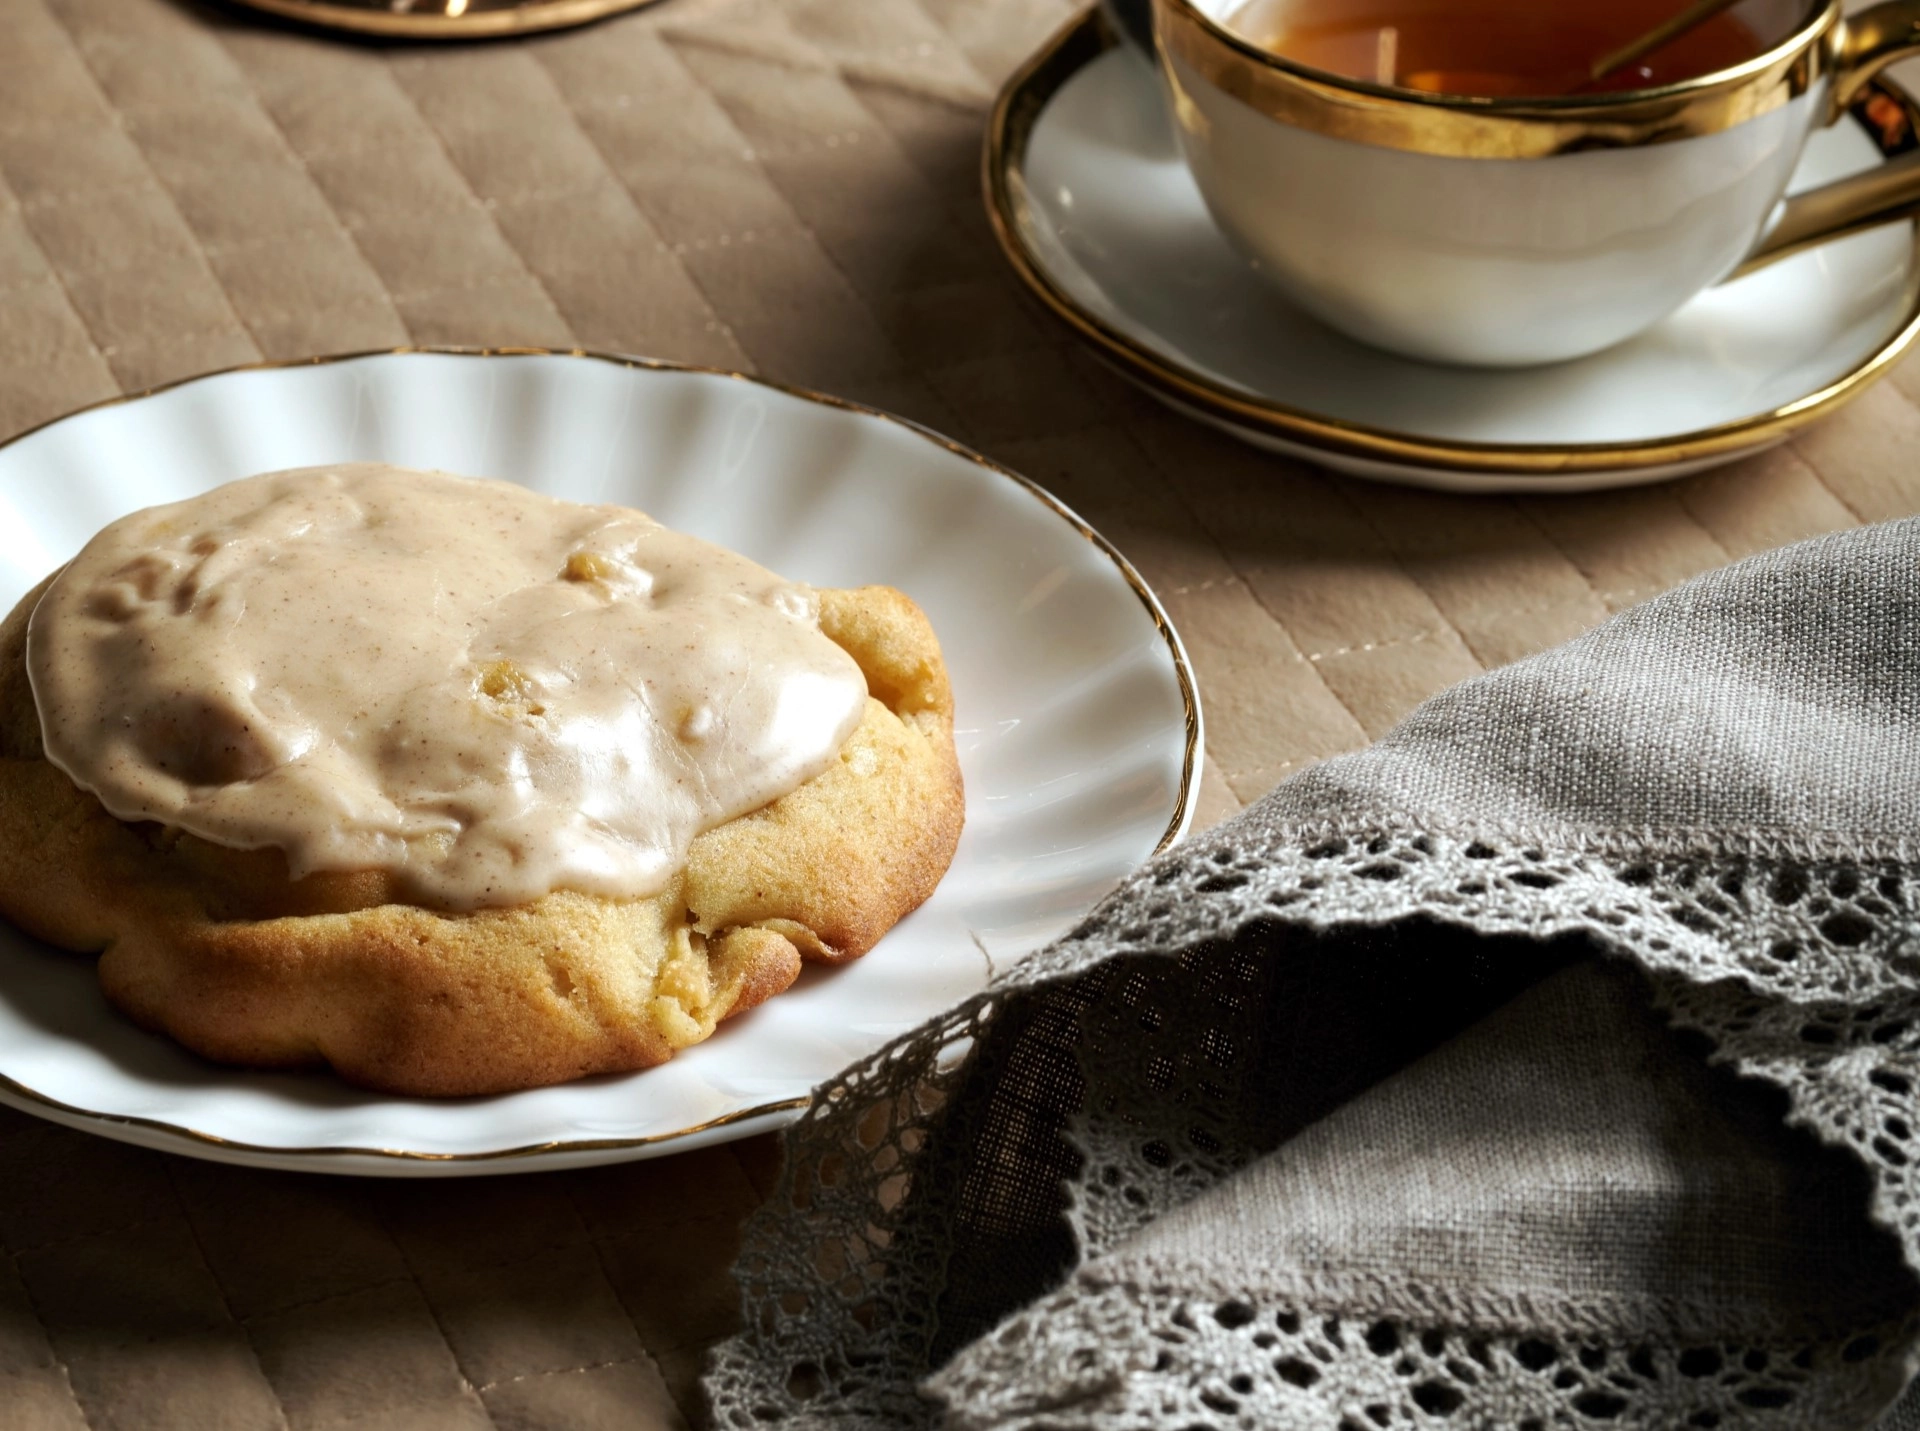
pixel 217 948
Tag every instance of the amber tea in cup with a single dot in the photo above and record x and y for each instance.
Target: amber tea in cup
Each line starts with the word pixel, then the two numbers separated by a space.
pixel 1493 48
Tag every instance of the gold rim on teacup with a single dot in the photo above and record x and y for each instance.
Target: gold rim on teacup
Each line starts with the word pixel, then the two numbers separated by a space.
pixel 1845 51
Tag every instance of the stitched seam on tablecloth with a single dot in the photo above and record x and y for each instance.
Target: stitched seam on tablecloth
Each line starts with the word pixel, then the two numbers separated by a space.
pixel 300 161
pixel 56 1362
pixel 440 141
pixel 467 285
pixel 1199 526
pixel 837 71
pixel 1425 634
pixel 320 1299
pixel 843 139
pixel 1630 594
pixel 639 203
pixel 1281 767
pixel 1605 598
pixel 269 318
pixel 43 280
pixel 59 280
pixel 1726 556
pixel 166 194
pixel 1909 403
pixel 1858 516
pixel 413 1278
pixel 1060 16
pixel 841 71
pixel 1686 492
pixel 594 1241
pixel 226 1303
pixel 1586 577
pixel 865 70
pixel 61 198
pixel 90 1234
pixel 1448 627
pixel 715 314
pixel 644 1356
pixel 1299 654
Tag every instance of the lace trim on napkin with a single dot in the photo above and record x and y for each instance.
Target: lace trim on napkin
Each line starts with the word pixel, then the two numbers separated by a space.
pixel 1796 971
pixel 1235 1366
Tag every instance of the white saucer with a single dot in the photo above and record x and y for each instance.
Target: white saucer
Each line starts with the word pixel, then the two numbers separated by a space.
pixel 1079 729
pixel 1101 219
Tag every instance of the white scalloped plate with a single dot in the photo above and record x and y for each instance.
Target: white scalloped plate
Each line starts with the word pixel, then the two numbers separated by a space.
pixel 1079 729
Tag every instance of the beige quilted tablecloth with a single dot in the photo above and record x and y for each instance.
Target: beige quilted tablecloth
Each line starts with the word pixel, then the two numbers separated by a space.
pixel 787 187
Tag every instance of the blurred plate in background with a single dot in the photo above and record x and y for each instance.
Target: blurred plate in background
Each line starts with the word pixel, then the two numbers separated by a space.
pixel 444 19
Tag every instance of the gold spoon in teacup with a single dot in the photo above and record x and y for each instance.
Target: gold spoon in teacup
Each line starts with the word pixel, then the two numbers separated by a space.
pixel 1662 34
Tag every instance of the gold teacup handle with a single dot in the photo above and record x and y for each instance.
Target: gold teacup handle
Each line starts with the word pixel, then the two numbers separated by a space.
pixel 1868 43
pixel 1833 211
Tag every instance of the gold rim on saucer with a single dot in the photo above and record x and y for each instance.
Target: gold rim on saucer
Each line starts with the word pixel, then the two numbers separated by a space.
pixel 90 1121
pixel 444 19
pixel 1890 115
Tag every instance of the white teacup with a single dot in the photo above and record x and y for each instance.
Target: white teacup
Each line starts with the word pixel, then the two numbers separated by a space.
pixel 1507 232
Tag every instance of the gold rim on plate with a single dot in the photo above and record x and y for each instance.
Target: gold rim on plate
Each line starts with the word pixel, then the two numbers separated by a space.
pixel 444 19
pixel 1082 40
pixel 1183 674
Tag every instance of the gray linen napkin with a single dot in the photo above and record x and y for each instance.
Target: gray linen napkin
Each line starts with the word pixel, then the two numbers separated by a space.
pixel 1551 1063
